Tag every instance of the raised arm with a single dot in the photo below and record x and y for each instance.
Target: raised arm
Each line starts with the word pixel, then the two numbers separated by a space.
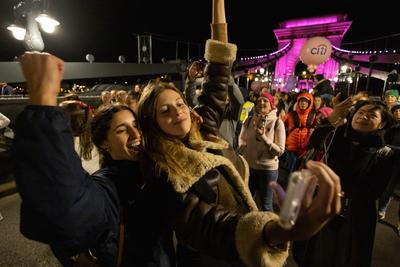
pixel 219 29
pixel 220 56
pixel 60 200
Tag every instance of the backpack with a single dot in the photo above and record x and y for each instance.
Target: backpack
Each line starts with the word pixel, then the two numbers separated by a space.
pixel 310 118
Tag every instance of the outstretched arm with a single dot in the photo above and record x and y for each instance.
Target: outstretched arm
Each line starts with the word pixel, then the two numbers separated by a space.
pixel 54 187
pixel 220 56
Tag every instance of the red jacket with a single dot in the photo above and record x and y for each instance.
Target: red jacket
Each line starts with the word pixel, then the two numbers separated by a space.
pixel 296 136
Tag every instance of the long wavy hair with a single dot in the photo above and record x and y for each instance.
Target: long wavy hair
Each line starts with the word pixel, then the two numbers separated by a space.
pixel 79 117
pixel 158 144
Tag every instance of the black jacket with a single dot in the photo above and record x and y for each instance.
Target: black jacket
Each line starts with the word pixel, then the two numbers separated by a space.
pixel 72 211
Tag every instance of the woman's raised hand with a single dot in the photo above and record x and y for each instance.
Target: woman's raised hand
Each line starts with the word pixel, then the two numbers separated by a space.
pixel 43 73
pixel 316 211
pixel 340 110
pixel 323 206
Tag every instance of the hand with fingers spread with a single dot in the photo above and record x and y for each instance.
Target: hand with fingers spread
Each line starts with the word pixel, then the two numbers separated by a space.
pixel 340 110
pixel 316 210
pixel 43 73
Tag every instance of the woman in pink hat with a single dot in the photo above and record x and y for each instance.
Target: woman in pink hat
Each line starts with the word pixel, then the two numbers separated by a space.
pixel 262 140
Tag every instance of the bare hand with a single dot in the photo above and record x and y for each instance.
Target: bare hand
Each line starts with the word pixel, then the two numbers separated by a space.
pixel 192 72
pixel 340 110
pixel 324 206
pixel 43 73
pixel 260 130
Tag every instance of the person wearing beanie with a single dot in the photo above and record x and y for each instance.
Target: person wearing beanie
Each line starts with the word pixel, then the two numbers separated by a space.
pixel 262 141
pixel 391 97
pixel 323 113
pixel 298 123
pixel 322 85
pixel 396 111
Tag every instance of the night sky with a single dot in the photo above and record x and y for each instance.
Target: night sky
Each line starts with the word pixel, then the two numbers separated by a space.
pixel 108 29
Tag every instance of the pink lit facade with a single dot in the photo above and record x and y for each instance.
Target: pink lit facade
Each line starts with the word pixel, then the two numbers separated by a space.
pixel 332 27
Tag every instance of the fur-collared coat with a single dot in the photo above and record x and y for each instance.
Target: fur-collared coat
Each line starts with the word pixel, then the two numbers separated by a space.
pixel 208 200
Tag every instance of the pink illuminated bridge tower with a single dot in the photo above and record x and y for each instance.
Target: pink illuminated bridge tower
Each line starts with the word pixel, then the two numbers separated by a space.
pixel 296 32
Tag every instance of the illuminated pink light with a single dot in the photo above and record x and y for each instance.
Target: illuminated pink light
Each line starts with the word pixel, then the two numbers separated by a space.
pixel 309 22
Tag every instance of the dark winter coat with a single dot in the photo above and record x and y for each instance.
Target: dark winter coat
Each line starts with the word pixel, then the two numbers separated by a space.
pixel 364 172
pixel 72 211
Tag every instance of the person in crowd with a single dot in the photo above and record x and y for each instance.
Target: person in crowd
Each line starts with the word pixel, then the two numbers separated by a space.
pixel 132 100
pixel 391 97
pixel 137 88
pixel 396 112
pixel 105 99
pixel 299 124
pixel 121 96
pixel 113 94
pixel 4 122
pixel 262 141
pixel 322 86
pixel 280 105
pixel 313 153
pixel 322 114
pixel 286 98
pixel 355 149
pixel 86 219
pixel 6 89
pixel 387 195
pixel 211 209
pixel 79 117
pixel 318 103
pixel 193 83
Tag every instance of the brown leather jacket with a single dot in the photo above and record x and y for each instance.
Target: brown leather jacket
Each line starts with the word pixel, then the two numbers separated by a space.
pixel 209 206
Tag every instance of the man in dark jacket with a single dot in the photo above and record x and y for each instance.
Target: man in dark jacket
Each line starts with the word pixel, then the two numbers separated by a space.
pixel 322 86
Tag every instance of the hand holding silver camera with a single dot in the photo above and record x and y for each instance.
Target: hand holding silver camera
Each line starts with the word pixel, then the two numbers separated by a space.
pixel 300 182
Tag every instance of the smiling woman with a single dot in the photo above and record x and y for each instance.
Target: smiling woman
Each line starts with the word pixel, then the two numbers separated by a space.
pixel 356 152
pixel 78 214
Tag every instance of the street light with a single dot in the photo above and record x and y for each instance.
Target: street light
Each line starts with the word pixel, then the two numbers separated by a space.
pixel 47 23
pixel 32 13
pixel 17 31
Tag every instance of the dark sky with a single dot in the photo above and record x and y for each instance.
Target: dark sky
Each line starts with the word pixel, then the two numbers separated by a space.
pixel 107 29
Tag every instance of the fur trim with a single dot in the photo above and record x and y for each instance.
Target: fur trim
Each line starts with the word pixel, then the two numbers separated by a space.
pixel 250 243
pixel 220 52
pixel 195 163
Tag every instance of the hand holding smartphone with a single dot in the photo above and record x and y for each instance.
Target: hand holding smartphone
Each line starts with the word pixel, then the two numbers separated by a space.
pixel 300 183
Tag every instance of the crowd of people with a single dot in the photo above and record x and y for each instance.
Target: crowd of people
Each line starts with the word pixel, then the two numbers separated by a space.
pixel 166 176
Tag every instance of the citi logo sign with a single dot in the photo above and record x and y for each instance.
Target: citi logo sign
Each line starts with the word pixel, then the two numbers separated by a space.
pixel 319 50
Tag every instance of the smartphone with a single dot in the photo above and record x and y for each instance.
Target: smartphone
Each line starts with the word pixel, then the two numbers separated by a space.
pixel 343 89
pixel 262 123
pixel 299 181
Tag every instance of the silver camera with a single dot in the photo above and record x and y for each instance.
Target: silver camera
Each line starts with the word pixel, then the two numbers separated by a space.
pixel 297 187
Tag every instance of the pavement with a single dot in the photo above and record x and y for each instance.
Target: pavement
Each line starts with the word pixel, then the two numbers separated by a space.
pixel 16 250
